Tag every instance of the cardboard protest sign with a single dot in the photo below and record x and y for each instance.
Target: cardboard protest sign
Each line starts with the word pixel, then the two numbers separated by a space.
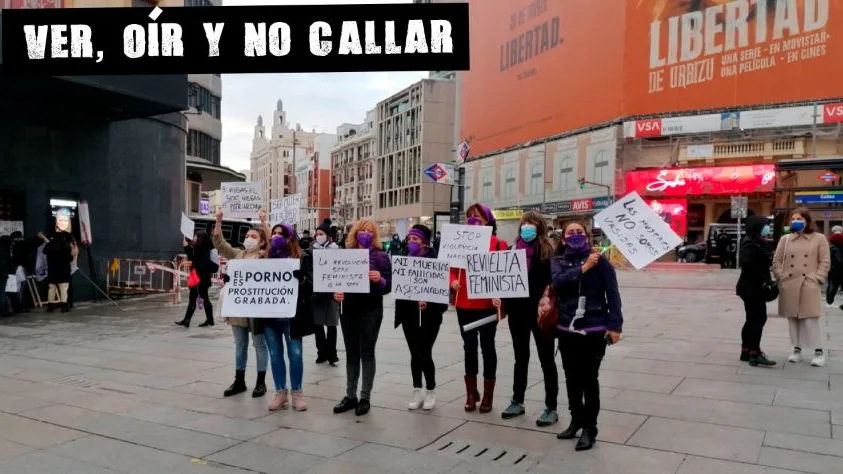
pixel 187 227
pixel 497 274
pixel 457 241
pixel 420 279
pixel 241 200
pixel 285 210
pixel 341 271
pixel 637 231
pixel 261 288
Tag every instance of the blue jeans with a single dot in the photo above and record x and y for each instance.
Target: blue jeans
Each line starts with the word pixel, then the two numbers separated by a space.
pixel 277 332
pixel 241 348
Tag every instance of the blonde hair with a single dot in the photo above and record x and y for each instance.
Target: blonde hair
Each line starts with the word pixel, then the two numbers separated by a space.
pixel 366 225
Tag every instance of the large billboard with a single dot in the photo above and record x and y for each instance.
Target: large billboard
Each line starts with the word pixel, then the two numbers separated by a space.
pixel 710 54
pixel 539 68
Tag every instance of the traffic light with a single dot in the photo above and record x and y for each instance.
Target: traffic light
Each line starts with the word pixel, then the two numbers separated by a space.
pixel 582 183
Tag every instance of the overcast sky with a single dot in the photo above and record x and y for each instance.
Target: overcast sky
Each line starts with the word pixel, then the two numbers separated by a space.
pixel 321 101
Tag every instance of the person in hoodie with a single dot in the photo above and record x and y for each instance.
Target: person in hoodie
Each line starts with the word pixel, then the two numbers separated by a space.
pixel 755 272
pixel 199 254
pixel 254 246
pixel 396 247
pixel 361 318
pixel 469 311
pixel 420 321
pixel 326 311
pixel 284 243
pixel 835 274
pixel 533 238
pixel 589 307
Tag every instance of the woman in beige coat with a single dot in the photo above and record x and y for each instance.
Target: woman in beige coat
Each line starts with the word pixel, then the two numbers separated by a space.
pixel 801 266
pixel 256 244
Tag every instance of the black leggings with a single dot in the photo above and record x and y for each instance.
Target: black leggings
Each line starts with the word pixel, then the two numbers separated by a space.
pixel 486 335
pixel 756 317
pixel 831 291
pixel 326 342
pixel 581 359
pixel 523 322
pixel 420 341
pixel 199 291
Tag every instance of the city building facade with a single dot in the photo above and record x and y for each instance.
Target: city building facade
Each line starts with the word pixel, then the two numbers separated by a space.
pixel 352 169
pixel 276 155
pixel 314 180
pixel 415 129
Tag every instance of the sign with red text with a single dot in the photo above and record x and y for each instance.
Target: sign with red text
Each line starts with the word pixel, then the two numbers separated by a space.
pixel 662 127
pixel 714 180
pixel 636 231
pixel 832 113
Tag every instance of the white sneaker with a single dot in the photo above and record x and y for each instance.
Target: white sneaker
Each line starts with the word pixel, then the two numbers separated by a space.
pixel 417 400
pixel 796 357
pixel 429 400
pixel 818 360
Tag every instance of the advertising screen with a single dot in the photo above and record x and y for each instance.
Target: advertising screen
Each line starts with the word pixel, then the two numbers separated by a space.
pixel 715 180
pixel 674 212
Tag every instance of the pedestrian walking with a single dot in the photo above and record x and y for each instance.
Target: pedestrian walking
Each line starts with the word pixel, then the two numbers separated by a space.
pixel 469 311
pixel 589 307
pixel 522 314
pixel 801 265
pixel 199 255
pixel 753 286
pixel 279 332
pixel 420 321
pixel 255 246
pixel 835 274
pixel 326 311
pixel 361 318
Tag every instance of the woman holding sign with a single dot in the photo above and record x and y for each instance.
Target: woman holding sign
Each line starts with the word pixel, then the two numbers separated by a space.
pixel 199 255
pixel 589 307
pixel 326 311
pixel 469 311
pixel 255 246
pixel 533 238
pixel 362 316
pixel 420 321
pixel 285 244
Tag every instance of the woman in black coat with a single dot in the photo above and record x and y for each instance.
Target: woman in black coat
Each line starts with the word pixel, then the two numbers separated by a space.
pixel 199 254
pixel 755 273
pixel 421 322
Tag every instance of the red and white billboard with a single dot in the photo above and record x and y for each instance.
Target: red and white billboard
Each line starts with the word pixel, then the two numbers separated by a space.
pixel 714 180
pixel 832 113
pixel 674 212
pixel 663 127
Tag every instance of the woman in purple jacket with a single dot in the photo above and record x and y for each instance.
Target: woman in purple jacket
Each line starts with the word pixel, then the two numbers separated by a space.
pixel 589 307
pixel 361 317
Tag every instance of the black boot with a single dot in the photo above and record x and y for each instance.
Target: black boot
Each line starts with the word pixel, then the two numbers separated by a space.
pixel 208 322
pixel 587 439
pixel 260 386
pixel 345 405
pixel 186 321
pixel 239 385
pixel 570 432
pixel 757 359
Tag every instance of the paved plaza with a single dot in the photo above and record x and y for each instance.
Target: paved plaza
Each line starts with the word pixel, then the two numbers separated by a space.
pixel 103 391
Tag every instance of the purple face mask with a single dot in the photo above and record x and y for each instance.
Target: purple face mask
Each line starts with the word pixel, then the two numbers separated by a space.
pixel 415 248
pixel 278 241
pixel 364 239
pixel 576 241
pixel 474 221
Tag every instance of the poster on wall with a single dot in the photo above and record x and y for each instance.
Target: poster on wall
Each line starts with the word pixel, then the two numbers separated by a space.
pixel 674 213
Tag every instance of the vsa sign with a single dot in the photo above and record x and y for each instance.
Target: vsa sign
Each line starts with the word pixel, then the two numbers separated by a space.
pixel 833 113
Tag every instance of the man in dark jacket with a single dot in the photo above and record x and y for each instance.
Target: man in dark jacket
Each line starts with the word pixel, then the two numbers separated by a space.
pixel 755 273
pixel 835 275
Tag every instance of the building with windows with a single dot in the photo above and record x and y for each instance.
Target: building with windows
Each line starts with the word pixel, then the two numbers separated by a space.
pixel 278 154
pixel 352 168
pixel 415 129
pixel 315 180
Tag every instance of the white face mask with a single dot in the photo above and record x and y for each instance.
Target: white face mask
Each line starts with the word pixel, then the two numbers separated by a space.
pixel 250 244
pixel 321 239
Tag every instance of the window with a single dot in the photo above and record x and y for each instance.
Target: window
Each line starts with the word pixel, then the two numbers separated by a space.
pixel 487 186
pixel 601 167
pixel 566 174
pixel 198 3
pixel 509 183
pixel 536 179
pixel 203 146
pixel 203 100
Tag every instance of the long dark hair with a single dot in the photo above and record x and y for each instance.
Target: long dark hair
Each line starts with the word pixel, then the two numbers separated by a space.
pixel 202 242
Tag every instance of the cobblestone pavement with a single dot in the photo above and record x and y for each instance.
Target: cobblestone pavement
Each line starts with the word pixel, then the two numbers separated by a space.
pixel 103 391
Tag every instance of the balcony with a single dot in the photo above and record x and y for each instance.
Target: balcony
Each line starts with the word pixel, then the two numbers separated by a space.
pixel 768 150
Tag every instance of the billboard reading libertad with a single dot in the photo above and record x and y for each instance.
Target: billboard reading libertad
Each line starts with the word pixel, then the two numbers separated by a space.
pixel 712 54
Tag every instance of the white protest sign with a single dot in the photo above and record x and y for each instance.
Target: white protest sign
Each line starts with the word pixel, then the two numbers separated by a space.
pixel 636 231
pixel 285 210
pixel 341 271
pixel 241 200
pixel 420 279
pixel 261 288
pixel 457 241
pixel 497 275
pixel 7 227
pixel 187 227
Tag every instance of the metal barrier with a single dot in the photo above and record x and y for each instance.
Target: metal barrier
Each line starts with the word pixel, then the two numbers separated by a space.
pixel 134 277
